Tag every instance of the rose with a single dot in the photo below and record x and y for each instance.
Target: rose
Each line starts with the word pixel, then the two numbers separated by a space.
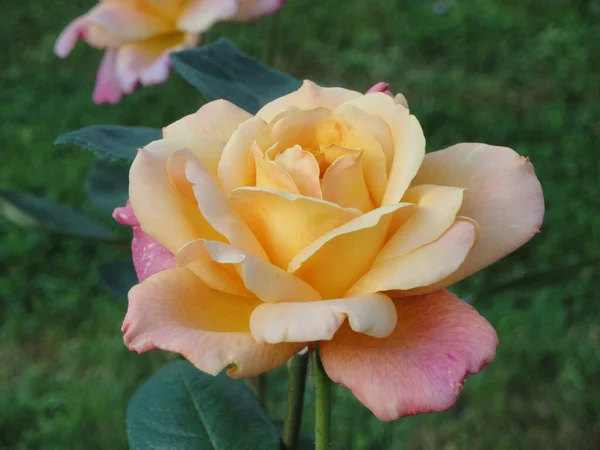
pixel 321 219
pixel 139 35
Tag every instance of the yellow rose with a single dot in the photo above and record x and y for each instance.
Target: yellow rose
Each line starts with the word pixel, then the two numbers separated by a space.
pixel 321 219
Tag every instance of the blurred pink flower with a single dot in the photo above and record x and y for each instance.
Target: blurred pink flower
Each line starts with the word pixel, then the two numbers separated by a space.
pixel 138 36
pixel 382 86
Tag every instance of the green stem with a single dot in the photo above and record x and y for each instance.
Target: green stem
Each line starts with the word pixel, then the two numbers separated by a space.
pixel 295 400
pixel 258 386
pixel 323 412
pixel 272 41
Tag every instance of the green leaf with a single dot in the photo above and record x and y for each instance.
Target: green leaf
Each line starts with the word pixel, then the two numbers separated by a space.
pixel 30 211
pixel 221 70
pixel 117 278
pixel 113 141
pixel 181 408
pixel 107 184
pixel 544 278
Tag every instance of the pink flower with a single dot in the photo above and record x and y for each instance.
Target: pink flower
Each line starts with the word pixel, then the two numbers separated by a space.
pixel 322 220
pixel 382 86
pixel 138 36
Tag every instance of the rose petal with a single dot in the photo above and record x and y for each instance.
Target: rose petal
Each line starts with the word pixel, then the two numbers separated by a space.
pixel 309 96
pixel 108 87
pixel 253 9
pixel 422 267
pixel 149 257
pixel 270 175
pixel 298 128
pixel 274 323
pixel 362 121
pixel 217 120
pixel 135 59
pixel 163 212
pixel 237 167
pixel 304 170
pixel 218 211
pixel 215 275
pixel 119 23
pixel 344 184
pixel 125 215
pixel 502 195
pixel 175 311
pixel 268 282
pixel 422 365
pixel 332 263
pixel 71 34
pixel 147 62
pixel 199 15
pixel 407 136
pixel 382 87
pixel 169 8
pixel 286 223
pixel 208 151
pixel 373 161
pixel 437 208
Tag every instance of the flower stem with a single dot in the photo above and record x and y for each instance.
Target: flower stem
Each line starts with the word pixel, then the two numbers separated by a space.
pixel 323 411
pixel 272 41
pixel 258 386
pixel 295 400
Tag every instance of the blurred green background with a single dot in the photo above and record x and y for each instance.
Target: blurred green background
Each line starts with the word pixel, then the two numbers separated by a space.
pixel 520 73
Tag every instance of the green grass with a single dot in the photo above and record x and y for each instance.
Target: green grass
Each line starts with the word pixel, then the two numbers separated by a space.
pixel 508 72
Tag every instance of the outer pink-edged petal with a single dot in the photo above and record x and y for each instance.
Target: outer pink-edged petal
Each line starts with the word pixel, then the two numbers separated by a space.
pixel 408 141
pixel 502 195
pixel 422 267
pixel 217 120
pixel 421 367
pixel 332 263
pixel 108 87
pixel 149 257
pixel 175 311
pixel 68 38
pixel 253 9
pixel 309 96
pixel 199 15
pixel 125 215
pixel 268 282
pixel 373 315
pixel 217 210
